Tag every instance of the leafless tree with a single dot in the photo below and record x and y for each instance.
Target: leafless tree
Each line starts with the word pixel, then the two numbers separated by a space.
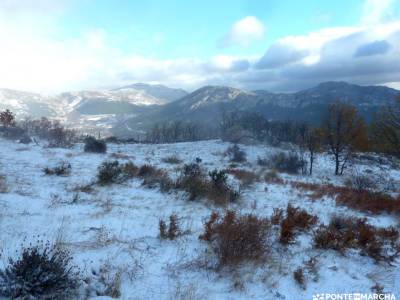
pixel 344 131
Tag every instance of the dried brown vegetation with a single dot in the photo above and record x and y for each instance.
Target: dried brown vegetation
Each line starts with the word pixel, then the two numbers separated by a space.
pixel 236 239
pixel 344 233
pixel 291 221
pixel 363 200
pixel 273 177
pixel 246 178
pixel 171 231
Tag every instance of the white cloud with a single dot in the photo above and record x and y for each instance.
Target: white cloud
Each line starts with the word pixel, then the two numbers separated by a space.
pixel 34 58
pixel 376 11
pixel 334 54
pixel 244 32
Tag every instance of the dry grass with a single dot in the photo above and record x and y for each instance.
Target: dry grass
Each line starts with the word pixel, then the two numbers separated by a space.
pixel 363 200
pixel 273 177
pixel 84 188
pixel 172 159
pixel 119 155
pixel 247 178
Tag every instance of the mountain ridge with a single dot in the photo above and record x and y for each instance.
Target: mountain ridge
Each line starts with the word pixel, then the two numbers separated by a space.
pixel 206 104
pixel 136 109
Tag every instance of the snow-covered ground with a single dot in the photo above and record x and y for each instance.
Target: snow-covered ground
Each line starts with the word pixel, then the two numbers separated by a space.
pixel 115 228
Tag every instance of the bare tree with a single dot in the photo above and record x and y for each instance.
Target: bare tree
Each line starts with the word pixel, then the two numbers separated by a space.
pixel 310 142
pixel 344 132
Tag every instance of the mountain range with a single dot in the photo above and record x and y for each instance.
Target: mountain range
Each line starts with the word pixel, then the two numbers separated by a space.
pixel 135 107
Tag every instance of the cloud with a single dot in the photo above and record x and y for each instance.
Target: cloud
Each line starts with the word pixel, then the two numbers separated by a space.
pixel 34 58
pixel 374 48
pixel 279 55
pixel 376 11
pixel 349 55
pixel 244 32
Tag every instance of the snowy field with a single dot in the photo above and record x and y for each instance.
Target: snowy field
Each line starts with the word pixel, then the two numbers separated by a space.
pixel 112 232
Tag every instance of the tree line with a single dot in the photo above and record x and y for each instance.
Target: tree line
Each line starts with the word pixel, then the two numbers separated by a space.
pixel 342 132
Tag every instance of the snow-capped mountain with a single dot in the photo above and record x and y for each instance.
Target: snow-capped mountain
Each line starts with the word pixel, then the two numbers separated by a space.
pixel 158 91
pixel 25 103
pixel 89 109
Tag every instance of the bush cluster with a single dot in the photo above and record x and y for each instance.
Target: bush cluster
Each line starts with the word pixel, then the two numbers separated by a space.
pixel 40 273
pixel 153 177
pixel 342 234
pixel 235 154
pixel 63 169
pixel 173 230
pixel 110 172
pixel 214 187
pixel 236 239
pixel 291 221
pixel 290 163
pixel 94 145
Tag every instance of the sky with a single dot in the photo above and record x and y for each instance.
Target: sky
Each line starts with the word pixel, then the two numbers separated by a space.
pixel 52 46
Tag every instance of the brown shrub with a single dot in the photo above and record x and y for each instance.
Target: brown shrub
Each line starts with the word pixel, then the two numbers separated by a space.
pixel 236 239
pixel 373 202
pixel 209 227
pixel 147 171
pixel 130 169
pixel 295 220
pixel 364 200
pixel 345 233
pixel 172 231
pixel 277 216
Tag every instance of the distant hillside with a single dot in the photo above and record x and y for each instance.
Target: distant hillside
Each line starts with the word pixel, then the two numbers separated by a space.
pixel 136 107
pixel 207 103
pixel 95 110
pixel 158 91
